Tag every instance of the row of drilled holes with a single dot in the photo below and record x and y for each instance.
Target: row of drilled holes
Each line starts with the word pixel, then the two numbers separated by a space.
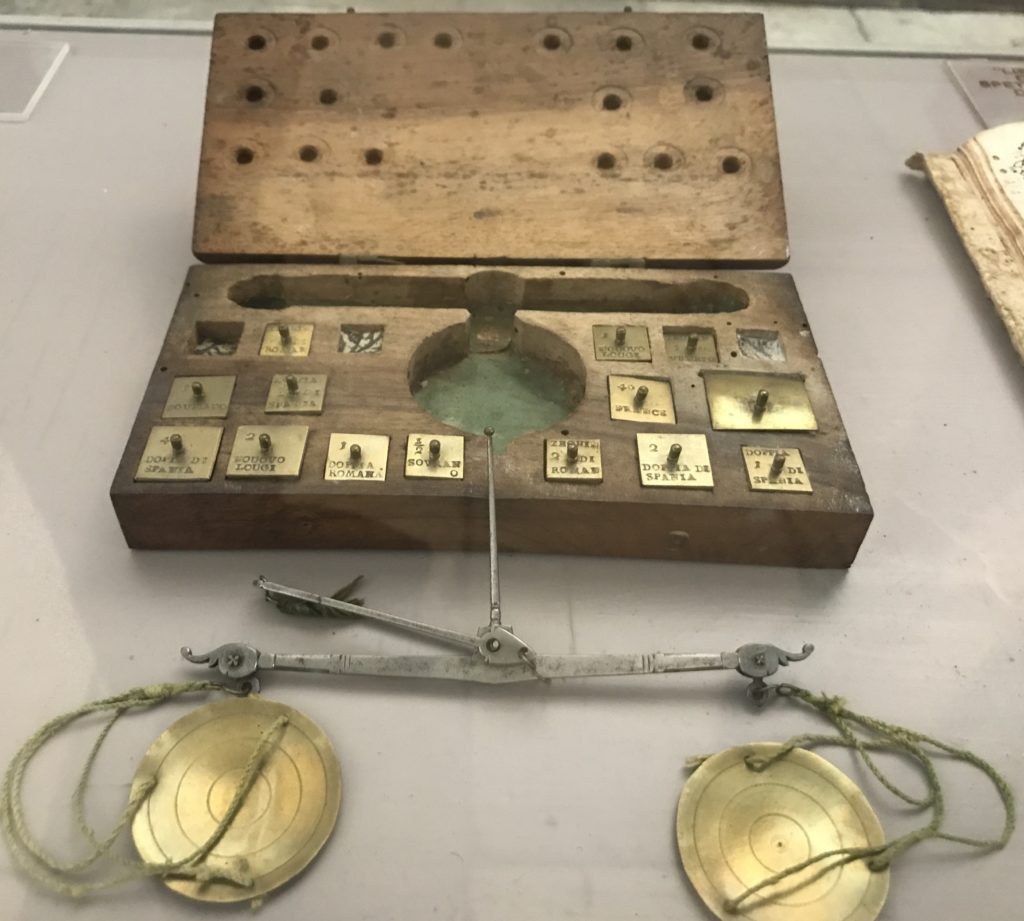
pixel 310 153
pixel 551 41
pixel 611 102
pixel 374 156
pixel 664 161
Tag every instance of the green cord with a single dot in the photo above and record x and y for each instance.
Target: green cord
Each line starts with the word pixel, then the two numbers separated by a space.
pixel 64 878
pixel 880 736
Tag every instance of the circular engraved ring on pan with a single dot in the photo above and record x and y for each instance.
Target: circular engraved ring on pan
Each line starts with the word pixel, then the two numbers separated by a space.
pixel 285 820
pixel 736 827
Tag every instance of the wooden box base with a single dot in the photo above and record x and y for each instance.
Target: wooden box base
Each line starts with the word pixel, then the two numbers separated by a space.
pixel 428 316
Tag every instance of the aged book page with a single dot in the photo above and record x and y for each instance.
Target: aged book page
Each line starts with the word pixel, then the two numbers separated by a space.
pixel 982 185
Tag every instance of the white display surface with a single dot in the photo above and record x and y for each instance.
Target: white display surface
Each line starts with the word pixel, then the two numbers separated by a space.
pixel 514 802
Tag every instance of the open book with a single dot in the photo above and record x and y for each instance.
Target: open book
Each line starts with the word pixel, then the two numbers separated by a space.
pixel 982 185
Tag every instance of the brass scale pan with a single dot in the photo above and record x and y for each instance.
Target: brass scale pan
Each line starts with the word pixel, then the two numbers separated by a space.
pixel 735 827
pixel 286 818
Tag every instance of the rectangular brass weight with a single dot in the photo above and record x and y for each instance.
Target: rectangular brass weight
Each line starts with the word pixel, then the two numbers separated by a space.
pixel 573 460
pixel 749 401
pixel 435 457
pixel 184 452
pixel 679 461
pixel 199 397
pixel 292 340
pixel 640 399
pixel 268 451
pixel 621 343
pixel 357 457
pixel 296 393
pixel 776 469
pixel 691 343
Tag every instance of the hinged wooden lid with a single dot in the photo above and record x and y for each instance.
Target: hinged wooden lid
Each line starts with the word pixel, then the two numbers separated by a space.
pixel 493 138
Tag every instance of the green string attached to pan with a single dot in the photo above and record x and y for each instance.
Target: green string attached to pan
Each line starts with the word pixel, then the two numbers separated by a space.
pixel 864 735
pixel 77 879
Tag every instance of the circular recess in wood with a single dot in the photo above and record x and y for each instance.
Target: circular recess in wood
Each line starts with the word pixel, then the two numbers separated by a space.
pixel 499 371
pixel 663 158
pixel 389 37
pixel 704 90
pixel 621 42
pixel 705 39
pixel 553 39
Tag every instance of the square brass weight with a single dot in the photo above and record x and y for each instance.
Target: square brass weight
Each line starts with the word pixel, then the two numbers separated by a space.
pixel 199 397
pixel 296 393
pixel 183 452
pixel 750 401
pixel 691 343
pixel 357 457
pixel 776 469
pixel 679 461
pixel 573 460
pixel 287 339
pixel 621 343
pixel 435 457
pixel 640 399
pixel 268 451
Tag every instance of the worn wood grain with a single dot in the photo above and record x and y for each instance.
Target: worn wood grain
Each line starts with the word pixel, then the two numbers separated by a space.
pixel 550 138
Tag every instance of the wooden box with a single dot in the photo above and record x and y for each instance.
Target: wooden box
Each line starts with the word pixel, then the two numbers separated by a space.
pixel 452 221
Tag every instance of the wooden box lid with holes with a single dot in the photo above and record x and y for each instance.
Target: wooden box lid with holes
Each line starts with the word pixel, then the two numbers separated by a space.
pixel 491 138
pixel 439 223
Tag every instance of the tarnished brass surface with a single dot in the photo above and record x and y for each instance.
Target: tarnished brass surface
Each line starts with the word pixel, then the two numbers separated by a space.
pixel 736 827
pixel 297 393
pixel 573 460
pixel 357 457
pixel 627 399
pixel 678 461
pixel 753 401
pixel 288 814
pixel 448 463
pixel 691 343
pixel 288 340
pixel 776 469
pixel 253 456
pixel 182 452
pixel 200 397
pixel 621 343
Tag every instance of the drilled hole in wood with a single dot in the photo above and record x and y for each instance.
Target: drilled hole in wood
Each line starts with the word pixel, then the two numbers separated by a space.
pixel 254 93
pixel 442 40
pixel 387 39
pixel 663 161
pixel 611 102
pixel 624 43
pixel 328 97
pixel 244 155
pixel 308 153
pixel 257 42
pixel 552 41
pixel 731 165
pixel 704 93
pixel 606 161
pixel 319 42
pixel 701 41
pixel 374 156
